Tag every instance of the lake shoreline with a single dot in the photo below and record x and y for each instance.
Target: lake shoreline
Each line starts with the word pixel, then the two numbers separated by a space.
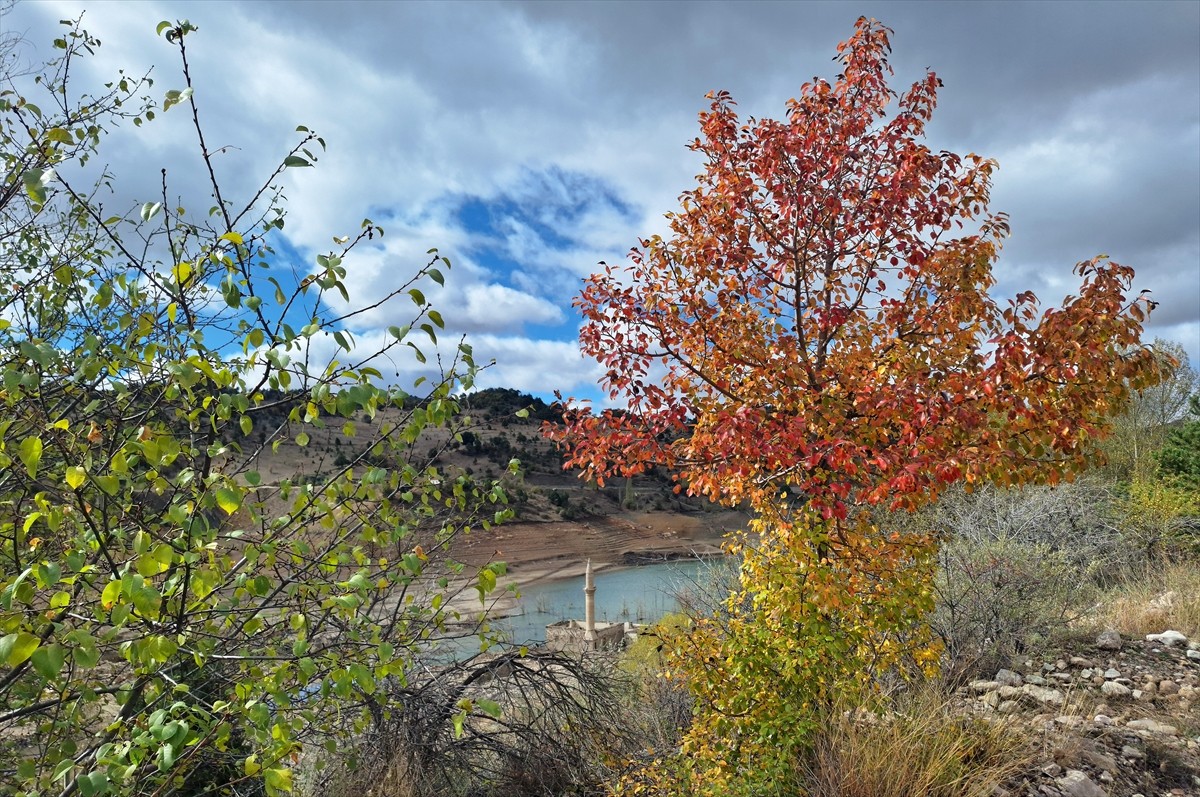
pixel 524 576
pixel 540 553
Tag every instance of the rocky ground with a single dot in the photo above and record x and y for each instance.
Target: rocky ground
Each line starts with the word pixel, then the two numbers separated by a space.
pixel 1119 718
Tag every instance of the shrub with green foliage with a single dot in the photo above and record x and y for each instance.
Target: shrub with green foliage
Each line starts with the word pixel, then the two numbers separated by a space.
pixel 1180 455
pixel 171 621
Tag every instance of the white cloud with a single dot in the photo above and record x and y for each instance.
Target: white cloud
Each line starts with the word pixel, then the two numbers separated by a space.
pixel 497 308
pixel 531 365
pixel 577 115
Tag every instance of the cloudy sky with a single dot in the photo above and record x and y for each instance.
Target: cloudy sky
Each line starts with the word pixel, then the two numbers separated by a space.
pixel 530 140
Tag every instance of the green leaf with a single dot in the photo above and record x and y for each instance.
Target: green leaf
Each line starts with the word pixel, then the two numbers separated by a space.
pixel 48 574
pixel 487 582
pixel 30 453
pixel 16 648
pixel 174 97
pixel 232 293
pixel 278 780
pixel 164 25
pixel 295 161
pixel 489 707
pixel 302 439
pixel 86 655
pixel 148 565
pixel 166 757
pixel 48 660
pixel 35 183
pixel 93 784
pixel 149 210
pixel 109 484
pixel 59 135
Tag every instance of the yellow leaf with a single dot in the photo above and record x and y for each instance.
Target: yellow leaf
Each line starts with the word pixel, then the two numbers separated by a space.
pixel 110 594
pixel 229 500
pixel 75 477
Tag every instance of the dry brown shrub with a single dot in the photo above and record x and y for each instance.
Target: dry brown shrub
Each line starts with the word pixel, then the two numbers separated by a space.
pixel 921 746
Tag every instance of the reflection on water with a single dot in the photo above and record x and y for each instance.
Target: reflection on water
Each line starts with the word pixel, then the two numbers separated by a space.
pixel 641 594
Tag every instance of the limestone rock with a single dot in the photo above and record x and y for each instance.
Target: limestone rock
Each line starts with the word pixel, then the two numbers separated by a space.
pixel 984 686
pixel 1009 678
pixel 1077 784
pixel 1109 639
pixel 1153 726
pixel 1105 763
pixel 1114 689
pixel 1167 638
pixel 1163 601
pixel 1051 697
pixel 1008 707
pixel 1052 770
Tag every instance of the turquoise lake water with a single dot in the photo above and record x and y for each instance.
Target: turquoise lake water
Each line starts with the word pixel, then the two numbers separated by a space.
pixel 641 594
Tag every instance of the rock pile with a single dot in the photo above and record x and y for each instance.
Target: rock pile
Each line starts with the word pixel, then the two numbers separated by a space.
pixel 1121 721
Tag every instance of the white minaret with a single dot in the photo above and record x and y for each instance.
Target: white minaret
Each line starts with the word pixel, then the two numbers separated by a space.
pixel 589 609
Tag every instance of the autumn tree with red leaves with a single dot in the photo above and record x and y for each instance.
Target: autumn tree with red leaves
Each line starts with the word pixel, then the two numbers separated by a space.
pixel 816 341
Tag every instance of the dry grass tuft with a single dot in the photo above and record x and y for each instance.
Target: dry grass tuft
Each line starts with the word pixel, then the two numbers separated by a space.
pixel 921 748
pixel 1163 597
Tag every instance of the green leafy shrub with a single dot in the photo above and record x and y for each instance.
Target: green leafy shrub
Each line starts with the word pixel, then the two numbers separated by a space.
pixel 171 619
pixel 1180 455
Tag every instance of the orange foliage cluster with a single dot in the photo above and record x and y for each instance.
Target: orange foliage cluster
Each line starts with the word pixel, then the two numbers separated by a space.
pixel 815 340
